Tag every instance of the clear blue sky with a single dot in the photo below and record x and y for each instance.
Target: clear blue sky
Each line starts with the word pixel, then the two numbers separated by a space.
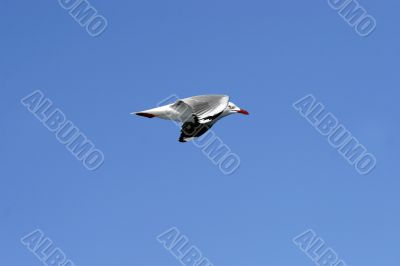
pixel 265 55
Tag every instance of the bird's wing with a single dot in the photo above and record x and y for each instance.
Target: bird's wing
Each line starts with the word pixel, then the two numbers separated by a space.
pixel 191 130
pixel 204 107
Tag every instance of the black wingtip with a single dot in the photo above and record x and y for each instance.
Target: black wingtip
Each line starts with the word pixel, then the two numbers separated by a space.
pixel 145 115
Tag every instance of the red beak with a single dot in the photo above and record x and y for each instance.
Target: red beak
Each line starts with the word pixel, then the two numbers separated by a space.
pixel 242 111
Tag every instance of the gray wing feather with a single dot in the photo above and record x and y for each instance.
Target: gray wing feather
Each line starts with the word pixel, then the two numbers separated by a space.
pixel 204 106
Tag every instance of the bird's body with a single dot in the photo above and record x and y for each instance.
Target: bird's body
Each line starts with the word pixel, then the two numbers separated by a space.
pixel 197 114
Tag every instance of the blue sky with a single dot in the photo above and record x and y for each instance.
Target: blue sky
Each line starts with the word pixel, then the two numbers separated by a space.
pixel 265 55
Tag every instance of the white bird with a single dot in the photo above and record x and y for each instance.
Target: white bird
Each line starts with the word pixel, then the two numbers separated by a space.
pixel 197 114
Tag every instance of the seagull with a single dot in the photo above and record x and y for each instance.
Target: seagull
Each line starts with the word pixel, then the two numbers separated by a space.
pixel 197 113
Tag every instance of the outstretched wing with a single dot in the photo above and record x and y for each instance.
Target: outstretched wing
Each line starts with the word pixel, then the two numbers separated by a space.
pixel 205 107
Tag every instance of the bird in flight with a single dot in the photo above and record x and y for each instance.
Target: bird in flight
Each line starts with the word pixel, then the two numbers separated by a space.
pixel 197 114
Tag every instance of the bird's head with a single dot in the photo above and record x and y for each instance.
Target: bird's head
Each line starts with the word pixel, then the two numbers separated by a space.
pixel 232 109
